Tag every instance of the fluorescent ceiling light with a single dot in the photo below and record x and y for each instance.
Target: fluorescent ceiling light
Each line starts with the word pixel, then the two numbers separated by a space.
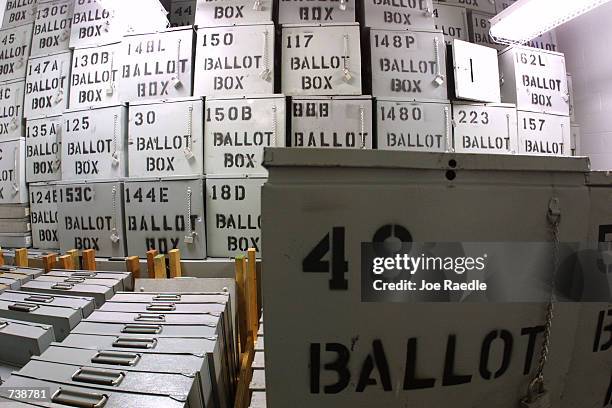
pixel 528 19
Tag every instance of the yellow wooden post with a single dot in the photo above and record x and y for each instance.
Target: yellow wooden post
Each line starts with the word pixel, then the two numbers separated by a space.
pixel 21 257
pixel 65 262
pixel 49 261
pixel 150 262
pixel 1 257
pixel 174 259
pixel 132 264
pixel 74 254
pixel 241 313
pixel 251 290
pixel 89 260
pixel 159 263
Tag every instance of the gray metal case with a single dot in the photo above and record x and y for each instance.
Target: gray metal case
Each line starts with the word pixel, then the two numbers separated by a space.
pixel 47 84
pixel 126 278
pixel 452 21
pixel 398 15
pixel 408 64
pixel 321 59
pixel 413 125
pixel 336 122
pixel 540 134
pixel 176 298
pixel 14 51
pixel 180 387
pixel 115 284
pixel 62 319
pixel 94 143
pixel 206 319
pixel 232 12
pixel 166 138
pixel 43 203
pixel 157 65
pixel 91 216
pixel 13 188
pixel 21 270
pixel 234 60
pixel 10 283
pixel 485 128
pixel 21 340
pixel 85 304
pixel 52 27
pixel 43 149
pixel 316 12
pixel 62 395
pixel 168 308
pixel 238 129
pixel 94 76
pixel 19 12
pixel 11 110
pixel 233 219
pixel 165 214
pixel 99 293
pixel 144 329
pixel 535 80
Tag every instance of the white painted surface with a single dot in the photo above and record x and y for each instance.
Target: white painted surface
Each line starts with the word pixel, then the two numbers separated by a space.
pixel 590 67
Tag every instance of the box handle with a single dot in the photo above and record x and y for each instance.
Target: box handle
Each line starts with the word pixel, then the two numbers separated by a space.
pixel 3 324
pixel 130 342
pixel 98 376
pixel 6 268
pixel 161 307
pixel 116 358
pixel 83 275
pixel 75 280
pixel 79 399
pixel 40 299
pixel 62 286
pixel 141 329
pixel 23 307
pixel 150 318
pixel 166 298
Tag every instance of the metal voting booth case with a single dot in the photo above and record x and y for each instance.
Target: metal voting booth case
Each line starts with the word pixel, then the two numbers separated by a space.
pixel 420 340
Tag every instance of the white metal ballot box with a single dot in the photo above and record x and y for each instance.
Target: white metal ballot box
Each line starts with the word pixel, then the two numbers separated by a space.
pixel 332 122
pixel 14 51
pixel 575 140
pixel 541 134
pixel 547 42
pixel 165 214
pixel 414 125
pixel 234 60
pixel 166 138
pixel 384 354
pixel 94 143
pixel 43 205
pixel 13 188
pixel 321 59
pixel 316 12
pixel 535 80
pixel 410 64
pixel 11 109
pixel 398 14
pixel 237 130
pixel 485 128
pixel 230 12
pixel 94 23
pixel 480 25
pixel 52 27
pixel 156 65
pixel 572 100
pixel 182 13
pixel 94 76
pixel 47 85
pixel 476 72
pixel 501 5
pixel 43 149
pixel 233 216
pixel 90 216
pixel 486 6
pixel 452 21
pixel 19 12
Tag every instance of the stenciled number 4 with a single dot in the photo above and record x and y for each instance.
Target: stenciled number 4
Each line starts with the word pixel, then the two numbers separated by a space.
pixel 314 262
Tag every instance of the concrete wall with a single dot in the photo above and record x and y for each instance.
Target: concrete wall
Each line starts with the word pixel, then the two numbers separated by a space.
pixel 586 43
